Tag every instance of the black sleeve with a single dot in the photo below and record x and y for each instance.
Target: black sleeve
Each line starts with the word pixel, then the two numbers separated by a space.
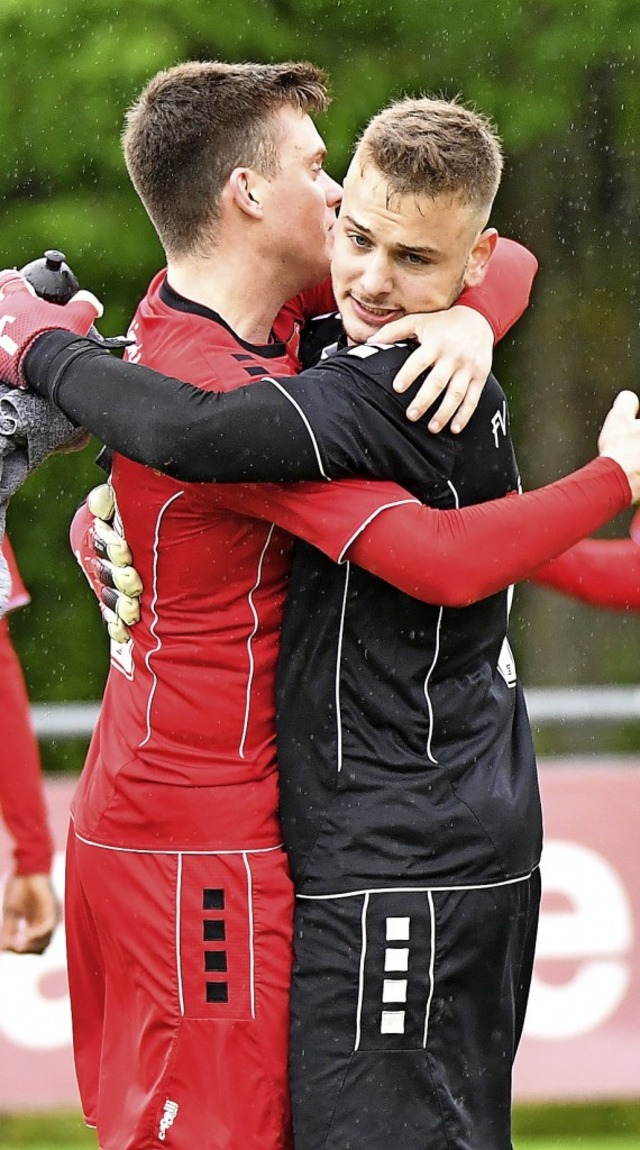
pixel 247 435
pixel 339 419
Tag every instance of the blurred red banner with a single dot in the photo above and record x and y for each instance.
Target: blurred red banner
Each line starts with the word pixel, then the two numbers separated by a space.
pixel 582 1036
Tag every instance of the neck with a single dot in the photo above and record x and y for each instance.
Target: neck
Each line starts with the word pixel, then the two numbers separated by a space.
pixel 240 289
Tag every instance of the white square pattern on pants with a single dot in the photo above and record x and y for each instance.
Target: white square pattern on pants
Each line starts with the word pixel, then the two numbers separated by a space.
pixel 394 990
pixel 396 958
pixel 392 1022
pixel 398 929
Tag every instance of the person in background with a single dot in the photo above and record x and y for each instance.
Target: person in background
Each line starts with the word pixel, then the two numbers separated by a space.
pixel 601 572
pixel 30 909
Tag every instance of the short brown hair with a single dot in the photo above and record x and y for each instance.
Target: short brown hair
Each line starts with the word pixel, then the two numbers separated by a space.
pixel 430 146
pixel 194 123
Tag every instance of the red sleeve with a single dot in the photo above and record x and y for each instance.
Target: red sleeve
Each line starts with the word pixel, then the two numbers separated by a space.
pixel 327 514
pixel 18 595
pixel 21 790
pixel 454 558
pixel 603 572
pixel 451 558
pixel 504 294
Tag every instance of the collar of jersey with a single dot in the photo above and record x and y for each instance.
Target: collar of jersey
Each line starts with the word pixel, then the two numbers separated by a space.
pixel 178 302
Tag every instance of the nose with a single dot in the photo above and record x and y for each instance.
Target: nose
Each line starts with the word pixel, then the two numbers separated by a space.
pixel 332 190
pixel 375 275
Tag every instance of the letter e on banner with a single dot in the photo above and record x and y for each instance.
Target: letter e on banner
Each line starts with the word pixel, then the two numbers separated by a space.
pixel 590 938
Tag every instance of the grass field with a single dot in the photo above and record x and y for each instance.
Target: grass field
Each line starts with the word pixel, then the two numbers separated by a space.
pixel 606 1126
pixel 580 1142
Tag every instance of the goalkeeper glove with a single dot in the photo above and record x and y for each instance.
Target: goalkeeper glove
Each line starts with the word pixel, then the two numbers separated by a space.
pixel 24 316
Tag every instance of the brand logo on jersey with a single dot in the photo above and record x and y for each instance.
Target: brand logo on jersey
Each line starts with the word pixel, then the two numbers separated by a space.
pixel 169 1114
pixel 499 424
pixel 330 349
pixel 121 657
pixel 364 350
pixel 507 665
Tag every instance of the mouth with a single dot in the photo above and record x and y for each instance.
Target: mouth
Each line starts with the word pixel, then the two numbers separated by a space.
pixel 372 315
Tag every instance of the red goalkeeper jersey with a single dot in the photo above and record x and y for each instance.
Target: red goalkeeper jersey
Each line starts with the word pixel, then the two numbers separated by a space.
pixel 183 755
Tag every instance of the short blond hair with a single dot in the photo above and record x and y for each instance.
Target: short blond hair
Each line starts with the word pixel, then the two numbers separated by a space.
pixel 428 146
pixel 194 123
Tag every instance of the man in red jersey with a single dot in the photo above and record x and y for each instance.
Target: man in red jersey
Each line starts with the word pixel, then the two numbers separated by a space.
pixel 30 908
pixel 179 900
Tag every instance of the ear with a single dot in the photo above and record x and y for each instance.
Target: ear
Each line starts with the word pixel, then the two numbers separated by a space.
pixel 244 187
pixel 479 257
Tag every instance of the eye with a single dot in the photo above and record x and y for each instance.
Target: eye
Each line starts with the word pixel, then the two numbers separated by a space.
pixel 414 259
pixel 358 240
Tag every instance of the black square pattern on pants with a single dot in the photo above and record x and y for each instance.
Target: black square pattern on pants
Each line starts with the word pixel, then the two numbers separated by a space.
pixel 215 960
pixel 213 930
pixel 212 899
pixel 217 992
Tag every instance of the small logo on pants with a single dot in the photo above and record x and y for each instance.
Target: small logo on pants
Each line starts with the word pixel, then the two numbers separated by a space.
pixel 169 1113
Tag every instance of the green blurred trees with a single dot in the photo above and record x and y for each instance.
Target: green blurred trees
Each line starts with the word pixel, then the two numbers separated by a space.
pixel 560 77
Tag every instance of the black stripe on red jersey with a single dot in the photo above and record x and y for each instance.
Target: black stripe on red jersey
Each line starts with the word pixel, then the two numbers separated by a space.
pixel 173 299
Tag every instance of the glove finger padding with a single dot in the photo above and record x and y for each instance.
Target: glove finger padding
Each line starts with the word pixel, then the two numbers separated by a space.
pixel 125 608
pixel 104 557
pixel 101 502
pixel 107 544
pixel 118 632
pixel 122 579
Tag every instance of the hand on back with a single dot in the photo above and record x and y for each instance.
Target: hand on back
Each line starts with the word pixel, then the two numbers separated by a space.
pixel 105 558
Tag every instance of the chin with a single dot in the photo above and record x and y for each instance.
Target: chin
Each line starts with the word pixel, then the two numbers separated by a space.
pixel 355 330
